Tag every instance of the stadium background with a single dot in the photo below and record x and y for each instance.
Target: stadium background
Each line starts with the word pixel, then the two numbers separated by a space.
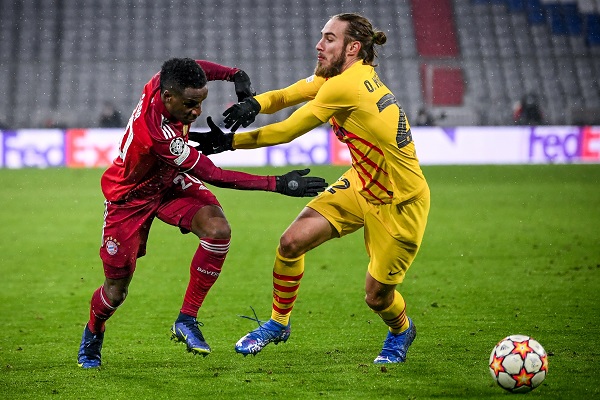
pixel 469 59
pixel 62 58
pixel 509 249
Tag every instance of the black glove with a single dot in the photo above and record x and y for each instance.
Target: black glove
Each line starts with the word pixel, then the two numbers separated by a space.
pixel 296 185
pixel 242 113
pixel 213 142
pixel 243 86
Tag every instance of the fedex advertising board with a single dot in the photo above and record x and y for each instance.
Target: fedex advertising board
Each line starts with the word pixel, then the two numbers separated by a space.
pixel 240 158
pixel 39 148
pixel 470 145
pixel 564 144
pixel 507 145
pixel 92 147
pixel 309 149
pixel 43 148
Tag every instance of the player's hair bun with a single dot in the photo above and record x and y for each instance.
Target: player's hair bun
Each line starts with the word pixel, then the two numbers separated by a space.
pixel 379 37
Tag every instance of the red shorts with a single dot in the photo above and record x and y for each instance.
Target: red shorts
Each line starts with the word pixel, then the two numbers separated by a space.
pixel 127 224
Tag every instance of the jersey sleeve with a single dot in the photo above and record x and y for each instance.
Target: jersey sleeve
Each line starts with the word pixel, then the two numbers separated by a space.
pixel 207 171
pixel 301 91
pixel 337 94
pixel 168 144
pixel 217 72
pixel 297 124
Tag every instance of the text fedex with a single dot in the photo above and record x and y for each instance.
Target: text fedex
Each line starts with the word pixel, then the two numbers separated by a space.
pixel 564 144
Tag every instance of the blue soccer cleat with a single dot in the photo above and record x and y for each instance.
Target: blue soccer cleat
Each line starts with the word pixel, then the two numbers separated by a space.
pixel 269 332
pixel 89 349
pixel 395 346
pixel 187 330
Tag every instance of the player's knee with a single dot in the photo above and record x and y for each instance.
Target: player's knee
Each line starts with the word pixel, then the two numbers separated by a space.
pixel 289 247
pixel 116 295
pixel 376 303
pixel 220 230
pixel 215 228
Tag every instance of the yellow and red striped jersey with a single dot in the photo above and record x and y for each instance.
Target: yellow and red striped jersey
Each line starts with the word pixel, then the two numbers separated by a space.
pixel 365 115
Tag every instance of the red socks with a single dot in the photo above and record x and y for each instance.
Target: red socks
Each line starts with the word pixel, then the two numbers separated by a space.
pixel 204 271
pixel 100 311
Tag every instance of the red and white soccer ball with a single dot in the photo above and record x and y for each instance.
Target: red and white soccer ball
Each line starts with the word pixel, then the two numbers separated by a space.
pixel 518 363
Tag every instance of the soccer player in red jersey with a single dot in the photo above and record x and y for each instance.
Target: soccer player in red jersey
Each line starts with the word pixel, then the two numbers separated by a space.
pixel 157 174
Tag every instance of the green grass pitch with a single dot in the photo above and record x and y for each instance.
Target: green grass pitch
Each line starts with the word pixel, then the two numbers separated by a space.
pixel 507 250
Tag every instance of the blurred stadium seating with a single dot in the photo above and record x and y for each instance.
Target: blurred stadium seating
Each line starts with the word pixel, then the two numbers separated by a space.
pixel 61 59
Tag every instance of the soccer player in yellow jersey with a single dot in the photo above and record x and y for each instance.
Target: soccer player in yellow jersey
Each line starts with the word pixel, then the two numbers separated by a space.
pixel 384 191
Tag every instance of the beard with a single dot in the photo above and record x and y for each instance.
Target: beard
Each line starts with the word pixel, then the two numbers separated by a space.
pixel 334 69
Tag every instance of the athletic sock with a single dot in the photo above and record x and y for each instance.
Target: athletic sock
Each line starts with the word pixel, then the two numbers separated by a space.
pixel 204 271
pixel 287 273
pixel 100 311
pixel 395 315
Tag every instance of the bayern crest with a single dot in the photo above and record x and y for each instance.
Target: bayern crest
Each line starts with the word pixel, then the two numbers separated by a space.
pixel 111 245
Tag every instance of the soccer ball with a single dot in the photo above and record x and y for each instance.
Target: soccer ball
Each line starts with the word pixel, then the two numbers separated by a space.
pixel 518 363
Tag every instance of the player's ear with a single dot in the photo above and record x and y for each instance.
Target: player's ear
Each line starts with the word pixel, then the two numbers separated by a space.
pixel 166 96
pixel 353 48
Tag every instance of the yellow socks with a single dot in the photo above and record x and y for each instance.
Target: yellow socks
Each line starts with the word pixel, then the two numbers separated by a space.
pixel 287 273
pixel 395 315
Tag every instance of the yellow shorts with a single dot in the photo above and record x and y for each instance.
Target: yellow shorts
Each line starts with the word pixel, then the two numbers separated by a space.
pixel 393 233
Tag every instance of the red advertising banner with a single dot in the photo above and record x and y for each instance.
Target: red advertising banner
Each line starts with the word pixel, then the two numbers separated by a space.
pixel 91 147
pixel 590 144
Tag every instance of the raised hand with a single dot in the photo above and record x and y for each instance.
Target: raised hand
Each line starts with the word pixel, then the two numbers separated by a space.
pixel 243 113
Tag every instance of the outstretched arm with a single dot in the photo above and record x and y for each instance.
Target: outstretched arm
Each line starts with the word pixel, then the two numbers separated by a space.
pixel 217 141
pixel 244 112
pixel 294 183
pixel 297 124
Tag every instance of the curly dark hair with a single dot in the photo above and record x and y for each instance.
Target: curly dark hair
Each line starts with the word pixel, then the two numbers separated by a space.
pixel 178 74
pixel 360 29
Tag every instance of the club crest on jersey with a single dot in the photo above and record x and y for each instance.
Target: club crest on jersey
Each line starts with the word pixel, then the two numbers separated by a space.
pixel 112 245
pixel 177 146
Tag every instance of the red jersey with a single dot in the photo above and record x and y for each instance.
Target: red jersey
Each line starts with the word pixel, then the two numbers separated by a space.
pixel 154 150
